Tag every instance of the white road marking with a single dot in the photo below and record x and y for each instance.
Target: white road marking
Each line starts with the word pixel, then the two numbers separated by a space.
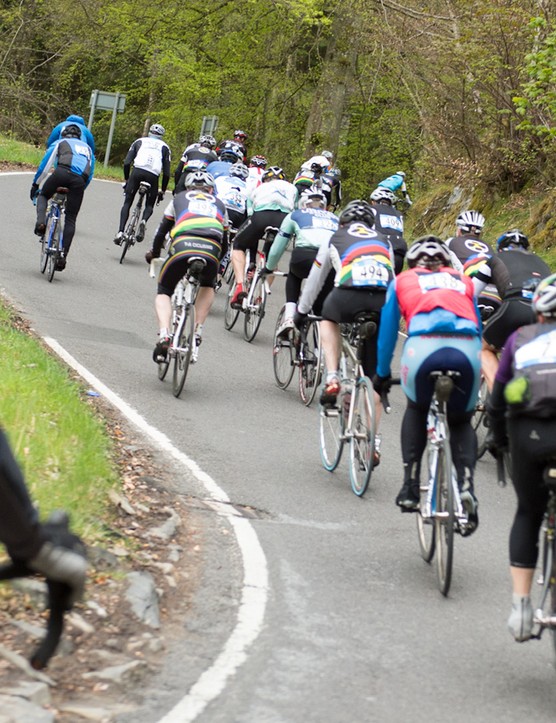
pixel 255 573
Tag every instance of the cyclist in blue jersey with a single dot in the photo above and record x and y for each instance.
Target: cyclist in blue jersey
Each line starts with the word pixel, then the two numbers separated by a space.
pixel 396 183
pixel 522 411
pixel 74 165
pixel 86 134
pixel 229 153
pixel 443 333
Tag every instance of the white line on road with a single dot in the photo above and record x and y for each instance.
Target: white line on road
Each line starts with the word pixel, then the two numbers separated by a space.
pixel 255 574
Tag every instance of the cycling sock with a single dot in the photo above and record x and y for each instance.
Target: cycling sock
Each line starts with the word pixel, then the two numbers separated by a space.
pixel 163 333
pixel 331 375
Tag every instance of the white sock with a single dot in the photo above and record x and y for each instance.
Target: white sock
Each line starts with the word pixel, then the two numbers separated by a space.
pixel 163 332
pixel 289 310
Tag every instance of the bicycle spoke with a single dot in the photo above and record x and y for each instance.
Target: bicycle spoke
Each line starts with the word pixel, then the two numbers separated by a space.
pixel 425 517
pixel 283 355
pixel 310 365
pixel 362 437
pixel 331 434
pixel 255 310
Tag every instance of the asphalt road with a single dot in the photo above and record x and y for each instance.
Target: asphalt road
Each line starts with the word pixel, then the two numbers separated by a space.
pixel 355 628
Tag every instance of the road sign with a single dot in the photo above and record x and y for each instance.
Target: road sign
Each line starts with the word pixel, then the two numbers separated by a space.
pixel 104 100
pixel 209 125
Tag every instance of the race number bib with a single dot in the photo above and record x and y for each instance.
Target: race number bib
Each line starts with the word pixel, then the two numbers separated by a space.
pixel 328 223
pixel 202 208
pixel 367 271
pixel 441 280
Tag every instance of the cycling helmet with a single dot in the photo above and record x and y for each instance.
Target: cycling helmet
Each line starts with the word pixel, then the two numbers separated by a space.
pixel 428 251
pixel 469 220
pixel 239 170
pixel 207 141
pixel 544 298
pixel 200 180
pixel 156 130
pixel 400 173
pixel 231 152
pixel 383 194
pixel 311 195
pixel 514 237
pixel 357 210
pixel 259 162
pixel 71 131
pixel 274 173
pixel 240 134
pixel 328 155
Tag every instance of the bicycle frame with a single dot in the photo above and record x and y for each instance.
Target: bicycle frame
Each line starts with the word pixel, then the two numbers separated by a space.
pixel 52 246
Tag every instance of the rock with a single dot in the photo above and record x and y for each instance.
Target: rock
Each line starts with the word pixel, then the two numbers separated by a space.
pixel 102 559
pixel 143 598
pixel 168 529
pixel 17 710
pixel 37 693
pixel 37 590
pixel 89 711
pixel 121 501
pixel 118 673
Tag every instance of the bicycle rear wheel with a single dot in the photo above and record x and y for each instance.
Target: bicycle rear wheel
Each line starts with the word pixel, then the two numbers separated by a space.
pixel 254 312
pixel 479 419
pixel 444 519
pixel 183 348
pixel 310 366
pixel 283 354
pixel 230 315
pixel 46 242
pixel 362 438
pixel 52 260
pixel 331 433
pixel 426 529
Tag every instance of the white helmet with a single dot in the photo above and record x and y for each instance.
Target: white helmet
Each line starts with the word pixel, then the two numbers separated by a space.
pixel 312 194
pixel 156 130
pixel 428 251
pixel 469 220
pixel 544 298
pixel 383 194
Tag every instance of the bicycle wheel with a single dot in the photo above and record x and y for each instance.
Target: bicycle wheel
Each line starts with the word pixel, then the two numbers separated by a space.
pixel 331 432
pixel 444 519
pixel 283 354
pixel 47 239
pixel 52 253
pixel 479 419
pixel 126 243
pixel 552 568
pixel 362 437
pixel 183 348
pixel 310 365
pixel 230 315
pixel 255 310
pixel 163 369
pixel 425 523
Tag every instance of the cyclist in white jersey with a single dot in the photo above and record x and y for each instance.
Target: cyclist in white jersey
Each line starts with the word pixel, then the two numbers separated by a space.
pixel 150 158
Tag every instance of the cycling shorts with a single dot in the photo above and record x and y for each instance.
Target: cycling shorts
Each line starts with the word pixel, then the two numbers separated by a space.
pixel 512 314
pixel 180 253
pixel 249 234
pixel 426 353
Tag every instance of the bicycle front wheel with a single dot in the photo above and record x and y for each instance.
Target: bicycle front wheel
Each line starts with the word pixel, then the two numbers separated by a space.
pixel 331 434
pixel 425 516
pixel 362 437
pixel 310 366
pixel 126 243
pixel 283 354
pixel 45 245
pixel 230 315
pixel 52 261
pixel 255 310
pixel 183 348
pixel 444 519
pixel 479 419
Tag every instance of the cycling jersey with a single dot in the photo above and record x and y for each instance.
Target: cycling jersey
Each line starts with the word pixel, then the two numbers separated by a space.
pixel 514 271
pixel 465 247
pixel 149 154
pixel 255 178
pixel 389 221
pixel 77 120
pixel 199 214
pixel 273 195
pixel 219 168
pixel 361 257
pixel 194 158
pixel 73 154
pixel 309 227
pixel 232 191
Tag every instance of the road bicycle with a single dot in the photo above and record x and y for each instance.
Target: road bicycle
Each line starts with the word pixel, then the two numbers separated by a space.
pixel 257 287
pixel 225 269
pixel 353 419
pixel 441 512
pixel 52 242
pixel 299 349
pixel 183 326
pixel 479 421
pixel 130 234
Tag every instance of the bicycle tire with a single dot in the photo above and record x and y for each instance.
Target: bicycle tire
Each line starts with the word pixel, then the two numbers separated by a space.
pixel 163 369
pixel 552 569
pixel 126 243
pixel 331 433
pixel 362 437
pixel 183 348
pixel 310 366
pixel 444 520
pixel 45 245
pixel 53 252
pixel 426 529
pixel 255 311
pixel 479 419
pixel 230 315
pixel 131 229
pixel 283 354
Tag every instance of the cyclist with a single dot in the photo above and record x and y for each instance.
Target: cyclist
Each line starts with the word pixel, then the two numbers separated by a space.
pixel 86 134
pixel 229 153
pixel 522 410
pixel 515 271
pixel 308 227
pixel 397 183
pixel 267 206
pixel 196 157
pixel 363 261
pixel 232 191
pixel 200 231
pixel 74 165
pixel 257 167
pixel 468 243
pixel 444 333
pixel 332 187
pixel 389 221
pixel 57 555
pixel 150 158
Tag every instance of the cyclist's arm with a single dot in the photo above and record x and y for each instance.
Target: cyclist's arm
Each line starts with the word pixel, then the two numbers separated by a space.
pixel 478 268
pixel 280 243
pixel 317 276
pixel 128 160
pixel 178 171
pixel 166 156
pixel 48 161
pixel 388 331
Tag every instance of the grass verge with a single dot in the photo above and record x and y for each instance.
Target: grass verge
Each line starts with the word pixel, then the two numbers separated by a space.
pixel 59 440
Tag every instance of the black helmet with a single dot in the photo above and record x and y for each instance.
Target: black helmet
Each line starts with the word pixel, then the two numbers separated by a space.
pixel 428 251
pixel 514 237
pixel 71 131
pixel 358 210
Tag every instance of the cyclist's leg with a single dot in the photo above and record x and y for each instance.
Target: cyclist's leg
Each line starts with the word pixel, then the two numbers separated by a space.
pixel 300 265
pixel 247 235
pixel 151 196
pixel 171 272
pixel 335 309
pixel 164 228
pixel 130 190
pixel 413 443
pixel 74 200
pixel 47 191
pixel 203 303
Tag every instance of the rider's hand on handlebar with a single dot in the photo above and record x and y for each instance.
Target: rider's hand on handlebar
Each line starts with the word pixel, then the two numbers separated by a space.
pixel 159 197
pixel 34 191
pixel 299 319
pixel 382 384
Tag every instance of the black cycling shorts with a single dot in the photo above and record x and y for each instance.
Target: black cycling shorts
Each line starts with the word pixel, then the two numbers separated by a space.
pixel 248 236
pixel 180 253
pixel 512 314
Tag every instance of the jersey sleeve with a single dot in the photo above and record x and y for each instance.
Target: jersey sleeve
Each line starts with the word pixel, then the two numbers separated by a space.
pixel 317 276
pixel 280 244
pixel 388 331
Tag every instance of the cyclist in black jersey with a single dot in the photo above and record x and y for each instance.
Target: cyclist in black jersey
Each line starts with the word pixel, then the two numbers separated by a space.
pixel 389 221
pixel 522 409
